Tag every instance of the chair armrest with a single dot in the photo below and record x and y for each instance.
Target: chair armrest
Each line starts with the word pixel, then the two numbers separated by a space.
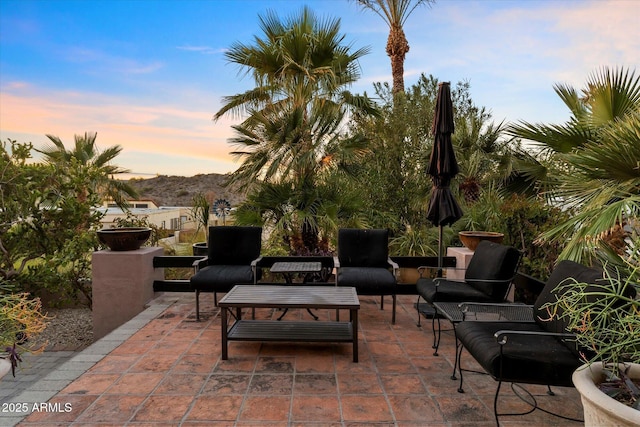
pixel 254 268
pixel 200 263
pixel 502 335
pixel 394 266
pixel 509 280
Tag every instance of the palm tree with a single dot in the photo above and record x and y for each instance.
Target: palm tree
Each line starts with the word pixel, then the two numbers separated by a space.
pixel 294 128
pixel 95 163
pixel 395 14
pixel 590 164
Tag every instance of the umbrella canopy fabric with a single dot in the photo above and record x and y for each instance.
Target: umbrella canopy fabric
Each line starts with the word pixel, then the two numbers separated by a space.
pixel 443 208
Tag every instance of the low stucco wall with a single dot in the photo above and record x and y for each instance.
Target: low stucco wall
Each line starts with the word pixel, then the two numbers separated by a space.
pixel 122 285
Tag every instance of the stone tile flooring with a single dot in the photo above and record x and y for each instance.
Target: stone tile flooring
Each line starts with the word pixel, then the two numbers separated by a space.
pixel 169 373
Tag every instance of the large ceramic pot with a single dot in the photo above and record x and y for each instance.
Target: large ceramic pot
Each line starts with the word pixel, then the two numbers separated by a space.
pixel 124 239
pixel 200 248
pixel 5 367
pixel 471 239
pixel 600 409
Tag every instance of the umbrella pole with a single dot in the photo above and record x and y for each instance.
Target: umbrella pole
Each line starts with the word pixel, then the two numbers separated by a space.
pixel 440 251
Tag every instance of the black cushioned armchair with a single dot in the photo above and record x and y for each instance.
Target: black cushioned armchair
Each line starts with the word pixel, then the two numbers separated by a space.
pixel 541 352
pixel 488 277
pixel 363 262
pixel 233 254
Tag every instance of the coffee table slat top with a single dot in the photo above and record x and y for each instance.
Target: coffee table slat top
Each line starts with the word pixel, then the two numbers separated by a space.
pixel 291 297
pixel 296 267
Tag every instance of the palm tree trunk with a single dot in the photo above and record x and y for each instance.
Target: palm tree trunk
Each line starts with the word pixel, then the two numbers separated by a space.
pixel 397 48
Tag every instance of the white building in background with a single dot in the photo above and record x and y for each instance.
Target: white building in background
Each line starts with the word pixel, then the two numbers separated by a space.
pixel 165 217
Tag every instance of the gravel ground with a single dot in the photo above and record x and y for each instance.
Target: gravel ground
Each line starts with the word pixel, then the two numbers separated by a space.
pixel 68 329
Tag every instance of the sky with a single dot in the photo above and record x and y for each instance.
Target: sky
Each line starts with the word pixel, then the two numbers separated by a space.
pixel 149 75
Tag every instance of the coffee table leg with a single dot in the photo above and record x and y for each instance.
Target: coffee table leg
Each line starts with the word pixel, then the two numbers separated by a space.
pixel 223 322
pixel 354 326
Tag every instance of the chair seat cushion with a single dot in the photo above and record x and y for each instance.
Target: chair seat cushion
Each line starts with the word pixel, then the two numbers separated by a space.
pixel 368 280
pixel 529 359
pixel 221 278
pixel 449 291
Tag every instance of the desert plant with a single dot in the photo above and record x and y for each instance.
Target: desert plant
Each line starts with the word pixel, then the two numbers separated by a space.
pixel 605 318
pixel 200 211
pixel 21 318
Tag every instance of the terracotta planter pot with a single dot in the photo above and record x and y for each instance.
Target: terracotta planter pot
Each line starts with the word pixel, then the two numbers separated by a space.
pixel 471 239
pixel 600 409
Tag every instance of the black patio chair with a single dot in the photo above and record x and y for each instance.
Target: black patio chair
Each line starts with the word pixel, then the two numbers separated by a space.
pixel 488 278
pixel 232 259
pixel 541 352
pixel 363 262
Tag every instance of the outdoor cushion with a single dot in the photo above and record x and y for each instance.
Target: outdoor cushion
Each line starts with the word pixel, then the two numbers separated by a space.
pixel 487 277
pixel 532 359
pixel 449 291
pixel 368 280
pixel 221 278
pixel 363 248
pixel 561 274
pixel 492 262
pixel 234 245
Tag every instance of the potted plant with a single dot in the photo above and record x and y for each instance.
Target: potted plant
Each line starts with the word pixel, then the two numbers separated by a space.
pixel 21 317
pixel 201 210
pixel 606 321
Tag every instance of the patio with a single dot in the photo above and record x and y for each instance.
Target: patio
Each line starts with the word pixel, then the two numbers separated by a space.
pixel 168 371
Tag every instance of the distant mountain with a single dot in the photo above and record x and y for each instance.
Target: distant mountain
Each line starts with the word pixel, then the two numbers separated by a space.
pixel 180 190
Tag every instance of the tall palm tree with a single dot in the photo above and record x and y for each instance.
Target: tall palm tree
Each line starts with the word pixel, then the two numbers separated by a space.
pixel 395 14
pixel 295 115
pixel 590 164
pixel 86 155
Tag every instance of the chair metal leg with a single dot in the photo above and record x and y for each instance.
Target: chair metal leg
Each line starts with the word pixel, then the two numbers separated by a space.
pixel 197 305
pixel 495 403
pixel 460 389
pixel 436 337
pixel 456 362
pixel 418 310
pixel 381 302
pixel 393 310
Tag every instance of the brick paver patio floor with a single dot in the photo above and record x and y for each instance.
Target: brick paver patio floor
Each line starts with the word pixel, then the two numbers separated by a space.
pixel 170 373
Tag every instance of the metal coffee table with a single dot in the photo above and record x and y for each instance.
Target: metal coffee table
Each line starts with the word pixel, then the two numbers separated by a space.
pixel 273 296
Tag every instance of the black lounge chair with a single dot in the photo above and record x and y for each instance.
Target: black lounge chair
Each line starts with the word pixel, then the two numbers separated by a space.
pixel 488 278
pixel 232 259
pixel 540 352
pixel 363 262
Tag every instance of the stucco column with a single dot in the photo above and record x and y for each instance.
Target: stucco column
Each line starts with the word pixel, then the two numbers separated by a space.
pixel 463 257
pixel 122 286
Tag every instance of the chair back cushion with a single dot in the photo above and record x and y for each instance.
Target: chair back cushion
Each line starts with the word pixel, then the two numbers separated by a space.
pixel 234 245
pixel 363 248
pixel 564 271
pixel 492 261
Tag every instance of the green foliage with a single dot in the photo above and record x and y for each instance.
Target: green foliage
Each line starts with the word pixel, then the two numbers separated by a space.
pixel 604 317
pixel 523 220
pixel 132 220
pixel 47 216
pixel 21 318
pixel 590 164
pixel 293 137
pixel 418 242
pixel 201 210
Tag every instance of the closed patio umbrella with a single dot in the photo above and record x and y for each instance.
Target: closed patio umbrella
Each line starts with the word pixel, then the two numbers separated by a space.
pixel 443 208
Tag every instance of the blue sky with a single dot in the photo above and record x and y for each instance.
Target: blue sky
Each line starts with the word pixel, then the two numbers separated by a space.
pixel 149 74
